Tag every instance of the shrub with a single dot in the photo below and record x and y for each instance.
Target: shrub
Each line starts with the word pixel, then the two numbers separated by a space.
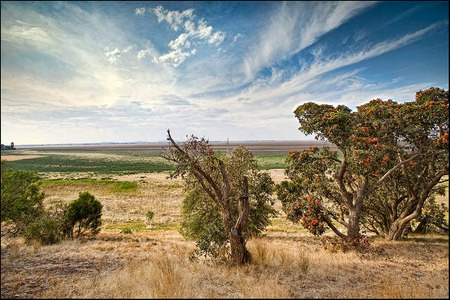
pixel 83 216
pixel 46 229
pixel 126 231
pixel 21 199
pixel 150 214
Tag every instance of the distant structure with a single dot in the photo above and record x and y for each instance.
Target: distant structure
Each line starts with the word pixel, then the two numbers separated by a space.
pixel 9 147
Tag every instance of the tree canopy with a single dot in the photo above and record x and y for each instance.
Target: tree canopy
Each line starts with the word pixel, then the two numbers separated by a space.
pixel 227 198
pixel 400 146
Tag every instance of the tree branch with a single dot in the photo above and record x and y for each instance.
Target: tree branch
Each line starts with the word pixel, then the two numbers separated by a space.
pixel 388 173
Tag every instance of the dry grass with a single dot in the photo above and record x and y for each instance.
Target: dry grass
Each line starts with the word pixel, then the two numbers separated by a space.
pixel 153 263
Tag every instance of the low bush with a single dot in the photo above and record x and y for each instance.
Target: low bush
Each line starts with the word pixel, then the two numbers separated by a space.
pixel 83 216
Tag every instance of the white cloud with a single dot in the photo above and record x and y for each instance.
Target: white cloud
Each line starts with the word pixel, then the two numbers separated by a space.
pixel 310 79
pixel 216 38
pixel 183 42
pixel 237 37
pixel 112 55
pixel 25 32
pixel 139 11
pixel 127 49
pixel 143 53
pixel 129 91
pixel 173 18
pixel 175 57
pixel 180 42
pixel 115 53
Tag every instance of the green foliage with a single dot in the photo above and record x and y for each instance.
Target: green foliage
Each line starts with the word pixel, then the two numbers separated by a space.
pixel 202 222
pixel 47 230
pixel 432 218
pixel 117 186
pixel 123 162
pixel 130 162
pixel 149 215
pixel 215 188
pixel 83 216
pixel 126 231
pixel 21 199
pixel 390 157
pixel 309 172
pixel 125 186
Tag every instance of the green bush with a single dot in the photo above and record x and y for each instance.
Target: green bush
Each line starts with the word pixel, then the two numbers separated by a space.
pixel 46 229
pixel 150 214
pixel 83 216
pixel 21 199
pixel 126 231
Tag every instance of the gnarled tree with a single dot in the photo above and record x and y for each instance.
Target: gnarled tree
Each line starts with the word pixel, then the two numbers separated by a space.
pixel 379 144
pixel 227 196
pixel 419 130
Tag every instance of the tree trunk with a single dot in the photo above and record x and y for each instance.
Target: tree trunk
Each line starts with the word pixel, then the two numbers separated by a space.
pixel 239 253
pixel 353 224
pixel 422 227
pixel 397 230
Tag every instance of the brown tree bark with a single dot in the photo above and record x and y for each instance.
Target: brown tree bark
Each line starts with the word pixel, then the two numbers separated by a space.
pixel 220 194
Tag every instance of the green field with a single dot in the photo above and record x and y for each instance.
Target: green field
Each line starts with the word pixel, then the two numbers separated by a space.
pixel 115 161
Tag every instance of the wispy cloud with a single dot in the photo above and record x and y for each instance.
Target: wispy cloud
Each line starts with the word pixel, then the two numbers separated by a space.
pixel 26 32
pixel 321 65
pixel 296 26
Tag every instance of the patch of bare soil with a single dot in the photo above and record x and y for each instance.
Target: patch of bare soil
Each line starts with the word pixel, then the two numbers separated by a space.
pixel 20 157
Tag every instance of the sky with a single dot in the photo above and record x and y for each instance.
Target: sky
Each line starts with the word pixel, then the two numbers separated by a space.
pixel 125 71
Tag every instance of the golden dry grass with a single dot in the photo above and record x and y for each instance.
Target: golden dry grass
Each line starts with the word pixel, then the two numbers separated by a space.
pixel 153 263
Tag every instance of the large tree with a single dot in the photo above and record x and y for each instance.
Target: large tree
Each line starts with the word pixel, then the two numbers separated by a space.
pixel 375 144
pixel 420 130
pixel 227 197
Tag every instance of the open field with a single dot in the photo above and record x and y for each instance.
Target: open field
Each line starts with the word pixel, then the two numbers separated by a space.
pixel 153 260
pixel 133 158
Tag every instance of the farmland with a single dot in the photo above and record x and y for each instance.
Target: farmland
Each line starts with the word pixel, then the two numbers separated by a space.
pixel 133 257
pixel 132 158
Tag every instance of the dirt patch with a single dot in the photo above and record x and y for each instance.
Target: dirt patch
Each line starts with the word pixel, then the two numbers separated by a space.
pixel 20 157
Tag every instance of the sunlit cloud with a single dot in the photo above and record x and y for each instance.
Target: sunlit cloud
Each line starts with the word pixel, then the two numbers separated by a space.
pixel 181 46
pixel 26 32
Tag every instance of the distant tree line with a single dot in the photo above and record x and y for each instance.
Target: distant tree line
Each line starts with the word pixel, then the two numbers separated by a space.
pixel 4 147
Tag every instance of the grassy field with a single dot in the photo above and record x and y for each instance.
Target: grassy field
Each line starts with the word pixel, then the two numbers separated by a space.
pixel 113 161
pixel 133 257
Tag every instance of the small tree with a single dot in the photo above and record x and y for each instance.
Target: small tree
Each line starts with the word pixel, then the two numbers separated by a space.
pixel 21 199
pixel 227 197
pixel 83 216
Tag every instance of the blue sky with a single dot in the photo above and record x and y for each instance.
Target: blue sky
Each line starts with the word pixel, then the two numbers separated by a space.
pixel 124 71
